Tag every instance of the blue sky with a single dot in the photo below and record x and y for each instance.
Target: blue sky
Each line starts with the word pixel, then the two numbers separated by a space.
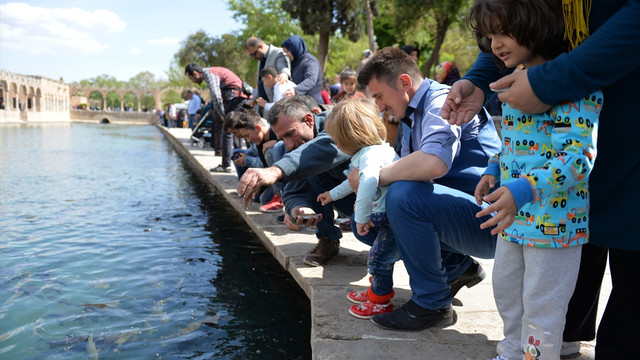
pixel 77 40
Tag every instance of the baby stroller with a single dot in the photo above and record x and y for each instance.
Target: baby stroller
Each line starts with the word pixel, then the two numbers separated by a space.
pixel 203 131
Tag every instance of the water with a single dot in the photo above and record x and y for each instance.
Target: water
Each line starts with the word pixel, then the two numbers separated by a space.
pixel 111 249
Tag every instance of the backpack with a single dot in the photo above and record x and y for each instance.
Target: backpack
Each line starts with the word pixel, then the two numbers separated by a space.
pixel 247 89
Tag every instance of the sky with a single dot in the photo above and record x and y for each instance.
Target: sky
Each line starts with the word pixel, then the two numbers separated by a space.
pixel 76 40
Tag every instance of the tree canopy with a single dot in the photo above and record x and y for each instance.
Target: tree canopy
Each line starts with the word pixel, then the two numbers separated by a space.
pixel 334 30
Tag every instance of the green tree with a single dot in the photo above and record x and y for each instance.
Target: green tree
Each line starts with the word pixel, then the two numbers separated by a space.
pixel 459 47
pixel 95 99
pixel 265 19
pixel 113 100
pixel 428 21
pixel 106 81
pixel 204 50
pixel 130 101
pixel 144 80
pixel 325 18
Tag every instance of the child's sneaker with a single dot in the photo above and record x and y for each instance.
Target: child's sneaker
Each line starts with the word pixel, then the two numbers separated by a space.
pixel 358 297
pixel 367 309
pixel 275 205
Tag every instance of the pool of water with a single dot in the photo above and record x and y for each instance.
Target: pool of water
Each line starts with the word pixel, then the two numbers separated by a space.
pixel 110 248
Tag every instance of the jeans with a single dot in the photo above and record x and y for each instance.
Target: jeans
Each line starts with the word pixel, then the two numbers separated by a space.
pixel 383 253
pixel 271 156
pixel 436 230
pixel 192 121
pixel 344 207
pixel 251 161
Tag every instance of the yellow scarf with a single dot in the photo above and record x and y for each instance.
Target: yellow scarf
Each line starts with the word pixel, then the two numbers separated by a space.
pixel 576 21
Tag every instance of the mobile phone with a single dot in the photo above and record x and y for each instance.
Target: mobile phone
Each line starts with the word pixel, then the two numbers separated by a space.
pixel 500 90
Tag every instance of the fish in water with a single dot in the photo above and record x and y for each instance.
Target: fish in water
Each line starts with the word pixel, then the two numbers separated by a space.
pixel 92 352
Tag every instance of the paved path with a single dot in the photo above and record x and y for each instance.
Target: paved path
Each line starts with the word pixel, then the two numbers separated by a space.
pixel 334 333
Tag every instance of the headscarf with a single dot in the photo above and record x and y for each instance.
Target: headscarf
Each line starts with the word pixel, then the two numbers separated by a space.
pixel 449 71
pixel 297 47
pixel 409 49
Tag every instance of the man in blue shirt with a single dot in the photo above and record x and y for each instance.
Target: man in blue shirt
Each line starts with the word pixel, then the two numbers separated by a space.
pixel 431 188
pixel 195 104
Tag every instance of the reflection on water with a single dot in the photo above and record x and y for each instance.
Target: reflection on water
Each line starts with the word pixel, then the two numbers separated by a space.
pixel 110 249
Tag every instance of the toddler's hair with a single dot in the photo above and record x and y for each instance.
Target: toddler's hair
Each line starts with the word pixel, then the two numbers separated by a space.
pixel 354 124
pixel 536 24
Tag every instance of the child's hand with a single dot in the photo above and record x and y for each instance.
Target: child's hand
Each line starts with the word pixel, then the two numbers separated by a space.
pixel 486 183
pixel 324 198
pixel 505 207
pixel 363 229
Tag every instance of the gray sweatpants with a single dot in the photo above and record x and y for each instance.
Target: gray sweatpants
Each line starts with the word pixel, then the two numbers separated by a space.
pixel 532 287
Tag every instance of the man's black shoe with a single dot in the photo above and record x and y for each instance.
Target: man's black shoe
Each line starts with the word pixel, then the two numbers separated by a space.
pixel 472 276
pixel 413 317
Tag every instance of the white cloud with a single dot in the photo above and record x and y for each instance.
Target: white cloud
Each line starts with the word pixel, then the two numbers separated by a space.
pixel 165 41
pixel 135 51
pixel 41 30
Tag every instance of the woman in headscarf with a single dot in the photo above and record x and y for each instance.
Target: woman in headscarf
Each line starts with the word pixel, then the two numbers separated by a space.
pixel 305 68
pixel 447 73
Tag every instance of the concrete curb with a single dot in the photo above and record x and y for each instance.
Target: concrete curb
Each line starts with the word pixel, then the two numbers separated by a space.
pixel 334 333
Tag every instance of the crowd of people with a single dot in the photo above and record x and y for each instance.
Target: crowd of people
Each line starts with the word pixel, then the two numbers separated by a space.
pixel 422 173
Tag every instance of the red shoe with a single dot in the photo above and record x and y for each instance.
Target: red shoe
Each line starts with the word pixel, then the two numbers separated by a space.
pixel 358 297
pixel 275 205
pixel 367 309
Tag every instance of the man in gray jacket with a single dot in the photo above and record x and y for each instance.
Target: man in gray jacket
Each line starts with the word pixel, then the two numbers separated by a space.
pixel 312 164
pixel 268 55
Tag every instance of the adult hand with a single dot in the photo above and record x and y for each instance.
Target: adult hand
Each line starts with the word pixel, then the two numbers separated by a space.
pixel 518 93
pixel 305 216
pixel 290 224
pixel 503 205
pixel 354 179
pixel 254 179
pixel 268 145
pixel 261 102
pixel 241 159
pixel 282 78
pixel 463 102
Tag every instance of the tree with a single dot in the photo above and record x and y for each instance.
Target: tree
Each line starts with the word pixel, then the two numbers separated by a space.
pixel 264 19
pixel 204 50
pixel 143 80
pixel 432 18
pixel 325 17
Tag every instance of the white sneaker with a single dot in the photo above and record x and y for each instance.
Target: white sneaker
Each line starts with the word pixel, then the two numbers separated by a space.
pixel 570 348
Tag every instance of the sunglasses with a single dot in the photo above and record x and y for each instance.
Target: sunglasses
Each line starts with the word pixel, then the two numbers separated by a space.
pixel 253 54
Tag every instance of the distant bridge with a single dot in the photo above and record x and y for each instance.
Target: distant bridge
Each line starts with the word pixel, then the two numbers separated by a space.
pixel 113 117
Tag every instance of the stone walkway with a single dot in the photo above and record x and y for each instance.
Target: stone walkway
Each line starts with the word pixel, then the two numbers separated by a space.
pixel 334 333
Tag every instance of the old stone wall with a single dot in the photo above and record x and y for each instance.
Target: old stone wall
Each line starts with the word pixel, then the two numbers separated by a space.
pixel 32 98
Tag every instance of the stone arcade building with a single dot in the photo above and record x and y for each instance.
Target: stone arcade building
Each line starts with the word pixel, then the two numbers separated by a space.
pixel 32 98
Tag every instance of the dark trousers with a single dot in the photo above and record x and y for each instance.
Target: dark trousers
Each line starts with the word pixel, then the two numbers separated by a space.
pixel 618 328
pixel 226 138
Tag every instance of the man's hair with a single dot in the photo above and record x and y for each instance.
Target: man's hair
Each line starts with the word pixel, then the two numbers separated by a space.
pixel 242 119
pixel 291 106
pixel 253 42
pixel 542 34
pixel 354 124
pixel 348 73
pixel 269 70
pixel 190 68
pixel 387 65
